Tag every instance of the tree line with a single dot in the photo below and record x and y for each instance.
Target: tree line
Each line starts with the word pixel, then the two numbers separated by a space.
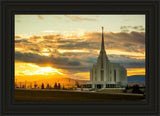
pixel 48 86
pixel 56 86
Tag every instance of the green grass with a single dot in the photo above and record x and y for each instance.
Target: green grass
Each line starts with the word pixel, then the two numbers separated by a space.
pixel 56 95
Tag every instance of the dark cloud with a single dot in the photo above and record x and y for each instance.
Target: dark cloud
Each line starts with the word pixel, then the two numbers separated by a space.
pixel 123 59
pixel 22 40
pixel 74 63
pixel 127 38
pixel 80 61
pixel 128 28
pixel 59 62
pixel 91 59
pixel 134 65
pixel 52 37
pixel 127 61
pixel 129 42
pixel 35 37
pixel 75 45
pixel 62 40
pixel 34 49
pixel 80 55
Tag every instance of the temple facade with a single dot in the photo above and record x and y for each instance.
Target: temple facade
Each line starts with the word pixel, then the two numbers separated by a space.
pixel 106 74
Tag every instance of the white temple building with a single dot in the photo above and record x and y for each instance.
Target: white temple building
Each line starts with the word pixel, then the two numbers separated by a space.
pixel 105 74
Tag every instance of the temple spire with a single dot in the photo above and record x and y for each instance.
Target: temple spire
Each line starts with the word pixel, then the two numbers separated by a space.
pixel 102 45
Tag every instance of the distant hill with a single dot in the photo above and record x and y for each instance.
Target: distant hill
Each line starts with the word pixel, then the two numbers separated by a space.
pixel 66 82
pixel 136 78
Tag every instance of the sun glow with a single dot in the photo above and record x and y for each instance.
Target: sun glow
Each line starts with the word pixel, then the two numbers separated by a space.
pixel 45 50
pixel 32 69
pixel 63 51
pixel 45 54
pixel 19 49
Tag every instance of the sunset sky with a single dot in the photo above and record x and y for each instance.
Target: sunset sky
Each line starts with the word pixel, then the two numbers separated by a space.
pixel 49 46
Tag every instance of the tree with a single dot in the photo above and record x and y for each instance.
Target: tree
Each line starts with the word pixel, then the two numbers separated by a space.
pixel 42 87
pixel 59 86
pixel 23 86
pixel 63 87
pixel 126 88
pixel 35 85
pixel 77 84
pixel 47 87
pixel 55 85
pixel 136 89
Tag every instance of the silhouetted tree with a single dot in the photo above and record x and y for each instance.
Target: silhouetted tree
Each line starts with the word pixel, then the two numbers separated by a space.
pixel 136 89
pixel 35 85
pixel 126 88
pixel 42 86
pixel 55 85
pixel 77 84
pixel 47 87
pixel 23 86
pixel 59 86
pixel 63 87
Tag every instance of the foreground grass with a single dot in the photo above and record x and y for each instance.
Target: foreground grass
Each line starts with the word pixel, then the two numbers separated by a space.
pixel 56 95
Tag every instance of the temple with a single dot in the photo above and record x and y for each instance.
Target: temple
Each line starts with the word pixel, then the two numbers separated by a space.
pixel 106 74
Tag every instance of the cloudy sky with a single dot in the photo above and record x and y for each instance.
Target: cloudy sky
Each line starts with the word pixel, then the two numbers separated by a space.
pixel 68 45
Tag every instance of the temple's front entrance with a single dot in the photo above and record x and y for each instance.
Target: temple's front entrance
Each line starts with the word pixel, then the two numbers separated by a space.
pixel 99 86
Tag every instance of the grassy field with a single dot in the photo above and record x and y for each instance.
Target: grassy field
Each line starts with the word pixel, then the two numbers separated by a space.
pixel 66 95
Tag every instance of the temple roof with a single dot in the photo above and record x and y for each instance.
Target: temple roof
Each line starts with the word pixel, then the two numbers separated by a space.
pixel 103 54
pixel 102 45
